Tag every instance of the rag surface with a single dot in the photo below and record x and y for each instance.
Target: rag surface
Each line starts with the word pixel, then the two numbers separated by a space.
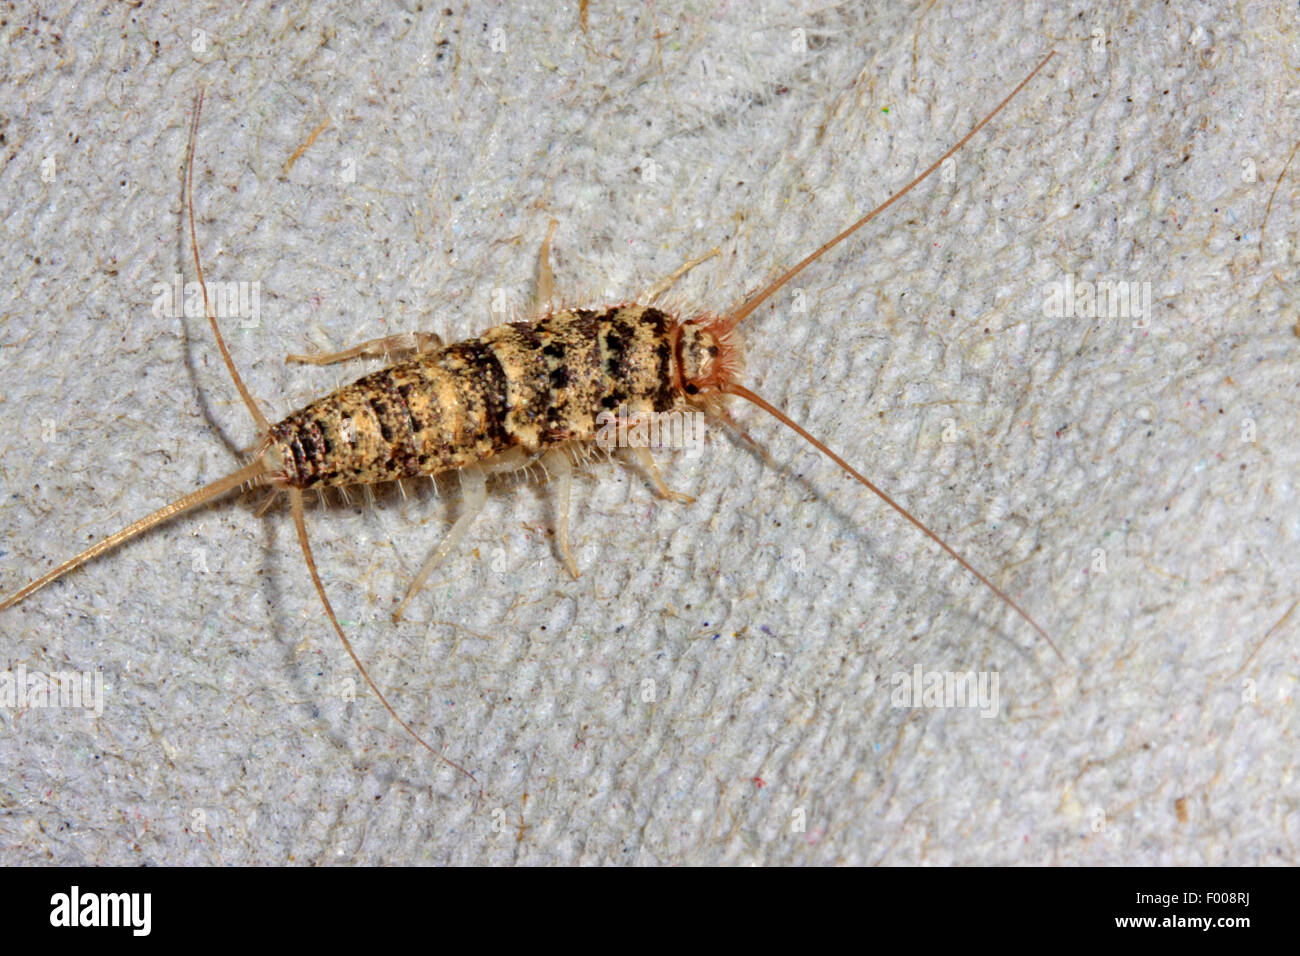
pixel 732 680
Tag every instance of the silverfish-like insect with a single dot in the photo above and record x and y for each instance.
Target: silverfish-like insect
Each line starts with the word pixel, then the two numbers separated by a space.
pixel 520 393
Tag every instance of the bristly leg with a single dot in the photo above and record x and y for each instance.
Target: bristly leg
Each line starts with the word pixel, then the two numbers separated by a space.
pixel 473 496
pixel 390 348
pixel 557 464
pixel 646 461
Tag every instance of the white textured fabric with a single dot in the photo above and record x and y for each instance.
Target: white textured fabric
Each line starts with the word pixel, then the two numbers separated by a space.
pixel 721 684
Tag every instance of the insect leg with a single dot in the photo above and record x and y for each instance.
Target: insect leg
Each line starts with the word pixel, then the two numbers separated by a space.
pixel 389 347
pixel 646 462
pixel 557 462
pixel 662 287
pixel 729 422
pixel 473 497
pixel 545 278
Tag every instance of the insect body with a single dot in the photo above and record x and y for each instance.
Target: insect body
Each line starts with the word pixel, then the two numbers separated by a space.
pixel 519 393
pixel 526 386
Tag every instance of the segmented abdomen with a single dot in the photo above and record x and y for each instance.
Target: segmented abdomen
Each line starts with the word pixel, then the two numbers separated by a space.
pixel 525 385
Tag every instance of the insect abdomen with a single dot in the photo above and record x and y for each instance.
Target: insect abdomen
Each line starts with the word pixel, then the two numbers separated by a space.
pixel 527 385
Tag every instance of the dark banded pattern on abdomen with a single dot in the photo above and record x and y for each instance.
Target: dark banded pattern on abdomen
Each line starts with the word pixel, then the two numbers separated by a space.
pixel 528 385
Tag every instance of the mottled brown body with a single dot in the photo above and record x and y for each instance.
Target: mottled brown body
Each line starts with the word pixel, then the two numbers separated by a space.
pixel 525 385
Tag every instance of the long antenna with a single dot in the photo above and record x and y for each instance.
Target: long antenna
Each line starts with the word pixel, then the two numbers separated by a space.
pixel 263 426
pixel 734 319
pixel 765 405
